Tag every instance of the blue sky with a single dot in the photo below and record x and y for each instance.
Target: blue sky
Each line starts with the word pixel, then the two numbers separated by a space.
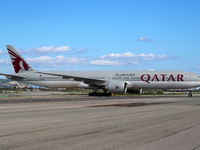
pixel 102 35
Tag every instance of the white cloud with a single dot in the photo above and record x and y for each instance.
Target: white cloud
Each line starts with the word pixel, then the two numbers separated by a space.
pixel 132 56
pixel 114 59
pixel 104 63
pixel 42 59
pixel 128 59
pixel 55 61
pixel 145 39
pixel 4 61
pixel 82 50
pixel 116 56
pixel 49 50
pixel 198 67
pixel 2 52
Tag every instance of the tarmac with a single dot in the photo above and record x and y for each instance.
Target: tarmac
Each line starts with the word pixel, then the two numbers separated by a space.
pixel 30 121
pixel 185 140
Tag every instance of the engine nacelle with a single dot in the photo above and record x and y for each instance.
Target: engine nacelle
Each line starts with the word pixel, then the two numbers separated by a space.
pixel 135 91
pixel 116 87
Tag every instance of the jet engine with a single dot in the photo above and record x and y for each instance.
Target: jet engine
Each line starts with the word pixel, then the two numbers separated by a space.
pixel 135 91
pixel 116 87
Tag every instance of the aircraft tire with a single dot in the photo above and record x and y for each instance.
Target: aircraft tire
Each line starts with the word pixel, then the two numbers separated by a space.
pixel 189 94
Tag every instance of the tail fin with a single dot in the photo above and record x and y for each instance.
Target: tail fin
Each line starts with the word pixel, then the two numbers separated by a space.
pixel 19 63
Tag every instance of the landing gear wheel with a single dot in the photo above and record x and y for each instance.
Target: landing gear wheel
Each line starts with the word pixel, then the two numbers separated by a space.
pixel 190 94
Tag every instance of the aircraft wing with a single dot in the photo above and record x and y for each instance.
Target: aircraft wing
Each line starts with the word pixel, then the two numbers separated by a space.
pixel 13 75
pixel 90 81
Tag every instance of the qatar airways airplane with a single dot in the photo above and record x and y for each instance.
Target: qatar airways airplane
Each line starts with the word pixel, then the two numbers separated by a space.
pixel 109 81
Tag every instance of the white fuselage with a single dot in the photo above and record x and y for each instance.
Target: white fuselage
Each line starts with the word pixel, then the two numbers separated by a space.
pixel 135 79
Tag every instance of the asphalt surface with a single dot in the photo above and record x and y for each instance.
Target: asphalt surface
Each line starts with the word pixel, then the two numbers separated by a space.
pixel 100 123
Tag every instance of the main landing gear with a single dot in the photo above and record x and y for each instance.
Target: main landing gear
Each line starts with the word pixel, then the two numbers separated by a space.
pixel 99 92
pixel 96 92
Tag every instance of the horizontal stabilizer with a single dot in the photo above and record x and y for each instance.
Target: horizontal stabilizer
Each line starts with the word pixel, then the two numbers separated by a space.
pixel 13 75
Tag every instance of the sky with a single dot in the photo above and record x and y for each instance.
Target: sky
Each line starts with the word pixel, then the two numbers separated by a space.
pixel 102 34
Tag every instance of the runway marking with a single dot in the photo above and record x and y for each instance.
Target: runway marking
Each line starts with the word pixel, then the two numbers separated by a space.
pixel 130 104
pixel 185 139
pixel 196 147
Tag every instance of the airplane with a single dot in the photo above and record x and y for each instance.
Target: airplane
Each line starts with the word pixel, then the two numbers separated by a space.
pixel 117 82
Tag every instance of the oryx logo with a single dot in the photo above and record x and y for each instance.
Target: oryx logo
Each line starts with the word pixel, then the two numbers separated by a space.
pixel 18 62
pixel 117 87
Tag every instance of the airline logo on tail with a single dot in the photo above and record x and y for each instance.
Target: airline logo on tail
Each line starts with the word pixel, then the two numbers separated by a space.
pixel 18 62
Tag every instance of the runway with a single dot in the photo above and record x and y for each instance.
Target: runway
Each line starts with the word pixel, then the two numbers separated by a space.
pixel 110 123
